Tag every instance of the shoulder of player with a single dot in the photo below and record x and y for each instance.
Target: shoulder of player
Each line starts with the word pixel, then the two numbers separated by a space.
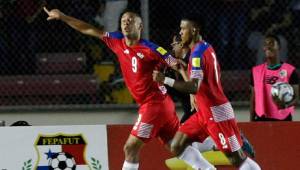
pixel 114 35
pixel 200 48
pixel 259 66
pixel 289 65
pixel 153 47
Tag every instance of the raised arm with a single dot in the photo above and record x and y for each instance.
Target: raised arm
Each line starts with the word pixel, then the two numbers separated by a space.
pixel 77 24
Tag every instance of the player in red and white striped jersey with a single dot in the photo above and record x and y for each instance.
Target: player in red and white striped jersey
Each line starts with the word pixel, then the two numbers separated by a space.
pixel 215 116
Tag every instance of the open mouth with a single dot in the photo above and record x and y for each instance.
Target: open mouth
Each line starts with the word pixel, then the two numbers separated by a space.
pixel 126 29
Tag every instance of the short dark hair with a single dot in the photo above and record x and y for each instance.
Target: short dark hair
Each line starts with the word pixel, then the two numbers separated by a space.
pixel 135 12
pixel 275 37
pixel 195 18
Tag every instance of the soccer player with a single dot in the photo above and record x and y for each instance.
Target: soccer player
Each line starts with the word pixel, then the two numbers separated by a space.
pixel 138 58
pixel 215 116
pixel 262 105
pixel 182 52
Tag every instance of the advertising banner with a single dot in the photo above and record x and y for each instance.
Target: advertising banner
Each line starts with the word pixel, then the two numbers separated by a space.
pixel 80 147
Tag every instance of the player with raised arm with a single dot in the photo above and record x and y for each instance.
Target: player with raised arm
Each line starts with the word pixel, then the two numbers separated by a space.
pixel 215 116
pixel 138 58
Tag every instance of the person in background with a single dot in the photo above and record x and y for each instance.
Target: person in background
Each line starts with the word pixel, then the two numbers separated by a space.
pixel 268 17
pixel 182 53
pixel 262 106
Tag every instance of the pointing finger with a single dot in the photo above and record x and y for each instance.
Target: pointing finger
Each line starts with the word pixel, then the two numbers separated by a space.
pixel 46 10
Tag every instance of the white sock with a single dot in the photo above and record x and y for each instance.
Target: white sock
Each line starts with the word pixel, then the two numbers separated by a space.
pixel 130 166
pixel 207 145
pixel 194 158
pixel 249 164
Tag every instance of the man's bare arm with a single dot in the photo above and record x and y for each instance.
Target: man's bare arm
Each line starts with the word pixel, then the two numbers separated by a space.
pixel 76 24
pixel 190 86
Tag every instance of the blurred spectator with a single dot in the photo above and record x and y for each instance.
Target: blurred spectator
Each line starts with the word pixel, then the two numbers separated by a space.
pixel 268 16
pixel 262 106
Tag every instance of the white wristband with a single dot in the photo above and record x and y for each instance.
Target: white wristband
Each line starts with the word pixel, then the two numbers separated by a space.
pixel 169 81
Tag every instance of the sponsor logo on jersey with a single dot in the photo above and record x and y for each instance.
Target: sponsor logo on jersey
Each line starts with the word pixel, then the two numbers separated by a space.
pixel 196 62
pixel 282 73
pixel 140 55
pixel 269 79
pixel 161 51
pixel 126 51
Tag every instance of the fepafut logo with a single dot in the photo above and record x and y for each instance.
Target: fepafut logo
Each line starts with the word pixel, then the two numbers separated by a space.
pixel 61 152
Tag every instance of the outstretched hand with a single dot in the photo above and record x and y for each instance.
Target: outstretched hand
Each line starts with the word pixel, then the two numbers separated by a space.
pixel 158 76
pixel 53 14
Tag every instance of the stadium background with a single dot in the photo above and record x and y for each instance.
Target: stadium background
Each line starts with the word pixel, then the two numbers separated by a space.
pixel 51 74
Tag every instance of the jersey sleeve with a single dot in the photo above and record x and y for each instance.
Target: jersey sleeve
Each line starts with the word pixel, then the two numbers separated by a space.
pixel 112 38
pixel 197 64
pixel 161 54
